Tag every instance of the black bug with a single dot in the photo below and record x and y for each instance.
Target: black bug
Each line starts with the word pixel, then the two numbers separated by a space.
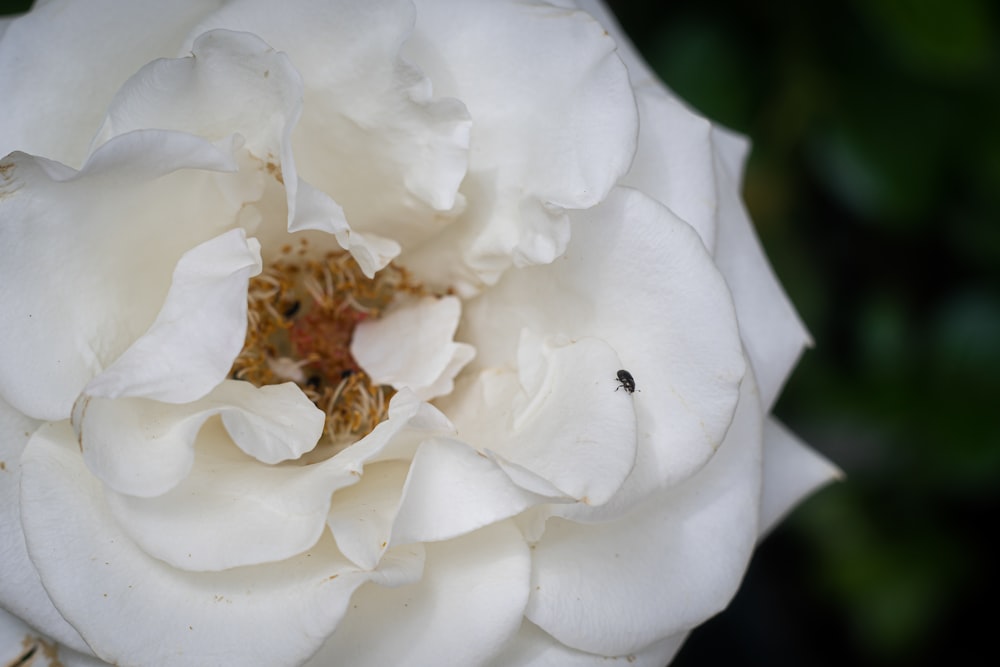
pixel 625 381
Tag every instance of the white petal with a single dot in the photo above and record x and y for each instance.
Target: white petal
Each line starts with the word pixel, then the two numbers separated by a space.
pixel 638 71
pixel 772 331
pixel 232 82
pixel 791 472
pixel 554 126
pixel 640 279
pixel 534 648
pixel 614 588
pixel 23 645
pixel 79 245
pixel 563 420
pixel 467 606
pixel 674 163
pixel 361 516
pixel 371 136
pixel 144 448
pixel 191 345
pixel 229 511
pixel 22 593
pixel 262 615
pixel 66 60
pixel 413 346
pixel 452 490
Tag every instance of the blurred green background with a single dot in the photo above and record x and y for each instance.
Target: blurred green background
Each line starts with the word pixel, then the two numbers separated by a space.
pixel 875 186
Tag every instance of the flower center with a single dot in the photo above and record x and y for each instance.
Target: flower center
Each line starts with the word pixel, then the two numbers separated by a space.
pixel 301 316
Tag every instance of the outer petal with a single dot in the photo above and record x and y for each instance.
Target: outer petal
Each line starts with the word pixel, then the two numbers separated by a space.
pixel 265 615
pixel 640 279
pixel 534 648
pixel 555 125
pixel 412 346
pixel 602 588
pixel 467 606
pixel 20 645
pixel 674 163
pixel 772 331
pixel 79 245
pixel 22 593
pixel 79 51
pixel 791 472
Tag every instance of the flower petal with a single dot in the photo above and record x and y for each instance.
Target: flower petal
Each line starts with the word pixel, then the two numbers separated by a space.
pixel 79 245
pixel 412 346
pixel 674 162
pixel 22 593
pixel 231 83
pixel 451 490
pixel 771 329
pixel 51 60
pixel 361 516
pixel 601 587
pixel 264 615
pixel 191 345
pixel 554 126
pixel 21 644
pixel 640 279
pixel 562 420
pixel 534 648
pixel 791 472
pixel 371 136
pixel 229 511
pixel 145 448
pixel 468 604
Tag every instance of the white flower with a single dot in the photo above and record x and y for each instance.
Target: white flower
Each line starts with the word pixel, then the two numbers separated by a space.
pixel 313 321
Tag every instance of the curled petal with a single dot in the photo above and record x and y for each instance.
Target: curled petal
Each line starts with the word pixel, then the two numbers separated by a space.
pixel 361 516
pixel 197 334
pixel 78 245
pixel 271 614
pixel 53 60
pixel 229 511
pixel 555 125
pixel 412 346
pixel 144 448
pixel 231 82
pixel 451 490
pixel 372 140
pixel 468 604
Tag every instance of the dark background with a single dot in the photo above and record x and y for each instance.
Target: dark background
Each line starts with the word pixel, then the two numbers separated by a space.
pixel 875 186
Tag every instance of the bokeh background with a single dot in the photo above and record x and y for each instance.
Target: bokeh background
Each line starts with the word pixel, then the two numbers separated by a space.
pixel 874 183
pixel 875 186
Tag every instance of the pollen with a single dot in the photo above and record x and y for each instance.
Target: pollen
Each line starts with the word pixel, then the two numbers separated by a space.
pixel 301 316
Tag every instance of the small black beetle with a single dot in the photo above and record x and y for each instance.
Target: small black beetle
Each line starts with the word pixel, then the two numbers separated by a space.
pixel 625 381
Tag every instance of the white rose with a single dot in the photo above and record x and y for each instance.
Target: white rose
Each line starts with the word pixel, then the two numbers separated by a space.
pixel 314 323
